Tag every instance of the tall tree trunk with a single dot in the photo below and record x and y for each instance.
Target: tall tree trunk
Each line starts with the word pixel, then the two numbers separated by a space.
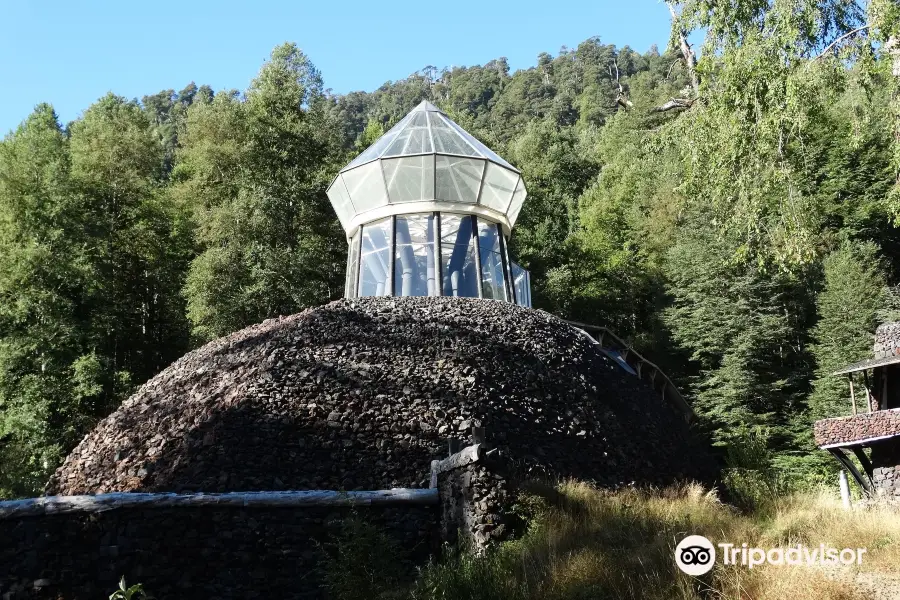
pixel 690 63
pixel 690 59
pixel 893 49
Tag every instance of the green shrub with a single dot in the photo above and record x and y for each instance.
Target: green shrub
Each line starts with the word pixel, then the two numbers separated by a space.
pixel 462 575
pixel 750 478
pixel 135 592
pixel 362 563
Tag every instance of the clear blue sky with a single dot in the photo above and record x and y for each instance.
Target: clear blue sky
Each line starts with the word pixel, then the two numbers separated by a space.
pixel 71 53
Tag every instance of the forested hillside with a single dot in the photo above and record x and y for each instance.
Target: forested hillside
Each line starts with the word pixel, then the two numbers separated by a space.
pixel 732 211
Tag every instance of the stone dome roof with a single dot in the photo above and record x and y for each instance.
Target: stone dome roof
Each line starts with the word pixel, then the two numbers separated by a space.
pixel 363 393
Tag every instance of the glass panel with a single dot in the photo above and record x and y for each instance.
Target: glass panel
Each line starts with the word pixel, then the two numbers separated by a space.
pixel 516 205
pixel 509 285
pixel 493 285
pixel 414 138
pixel 458 257
pixel 409 179
pixel 481 148
pixel 522 283
pixel 374 276
pixel 458 179
pixel 499 185
pixel 414 265
pixel 376 149
pixel 347 277
pixel 340 200
pixel 366 187
pixel 352 267
pixel 528 288
pixel 446 139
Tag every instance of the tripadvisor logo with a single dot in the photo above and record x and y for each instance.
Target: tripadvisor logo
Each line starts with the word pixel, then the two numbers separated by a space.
pixel 696 555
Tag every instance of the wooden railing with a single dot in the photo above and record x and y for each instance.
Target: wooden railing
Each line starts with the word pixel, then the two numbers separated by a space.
pixel 644 369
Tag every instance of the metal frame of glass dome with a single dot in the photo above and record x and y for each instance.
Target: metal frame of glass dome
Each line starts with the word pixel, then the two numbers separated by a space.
pixel 426 162
pixel 427 210
pixel 438 253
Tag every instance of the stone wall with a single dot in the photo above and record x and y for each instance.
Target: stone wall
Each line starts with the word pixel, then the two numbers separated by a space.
pixel 183 553
pixel 887 340
pixel 886 480
pixel 356 395
pixel 245 550
pixel 361 395
pixel 842 430
pixel 885 457
pixel 475 499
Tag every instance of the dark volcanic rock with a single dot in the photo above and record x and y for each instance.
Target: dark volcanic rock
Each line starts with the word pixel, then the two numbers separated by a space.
pixel 197 553
pixel 363 393
pixel 887 340
pixel 856 428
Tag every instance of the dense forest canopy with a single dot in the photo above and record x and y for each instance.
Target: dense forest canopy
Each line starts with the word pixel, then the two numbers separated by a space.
pixel 731 210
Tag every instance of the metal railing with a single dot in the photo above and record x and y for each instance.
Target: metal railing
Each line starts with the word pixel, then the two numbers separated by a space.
pixel 643 368
pixel 57 505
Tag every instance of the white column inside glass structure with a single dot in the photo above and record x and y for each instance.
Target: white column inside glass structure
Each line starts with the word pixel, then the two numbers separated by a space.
pixel 433 254
pixel 414 263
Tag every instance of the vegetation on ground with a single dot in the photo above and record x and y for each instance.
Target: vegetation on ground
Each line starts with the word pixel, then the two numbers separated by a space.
pixel 581 542
pixel 362 562
pixel 129 592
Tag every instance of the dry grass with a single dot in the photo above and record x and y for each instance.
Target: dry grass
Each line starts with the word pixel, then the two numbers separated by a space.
pixel 593 544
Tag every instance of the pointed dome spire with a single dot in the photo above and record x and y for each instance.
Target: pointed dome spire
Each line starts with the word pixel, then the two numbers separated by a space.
pixel 426 106
pixel 426 129
pixel 427 162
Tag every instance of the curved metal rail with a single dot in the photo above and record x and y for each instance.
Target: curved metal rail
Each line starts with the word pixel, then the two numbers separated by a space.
pixel 632 362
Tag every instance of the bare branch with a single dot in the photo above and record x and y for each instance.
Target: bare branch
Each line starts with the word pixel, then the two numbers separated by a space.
pixel 674 104
pixel 672 66
pixel 831 46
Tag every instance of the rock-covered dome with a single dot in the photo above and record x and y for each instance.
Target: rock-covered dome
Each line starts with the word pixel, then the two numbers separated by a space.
pixel 363 394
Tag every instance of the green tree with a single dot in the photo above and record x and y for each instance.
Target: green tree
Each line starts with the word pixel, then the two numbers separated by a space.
pixel 138 251
pixel 40 301
pixel 627 220
pixel 847 307
pixel 167 109
pixel 556 167
pixel 254 174
pixel 745 328
pixel 767 71
pixel 91 264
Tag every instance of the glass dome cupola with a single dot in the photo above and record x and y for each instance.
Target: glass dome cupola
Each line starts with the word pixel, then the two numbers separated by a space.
pixel 427 210
pixel 427 162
